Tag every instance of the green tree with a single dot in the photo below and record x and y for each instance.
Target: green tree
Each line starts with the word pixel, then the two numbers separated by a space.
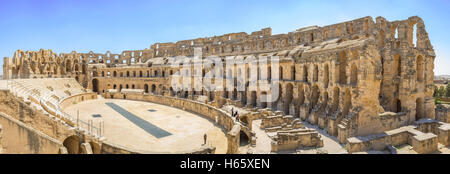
pixel 448 90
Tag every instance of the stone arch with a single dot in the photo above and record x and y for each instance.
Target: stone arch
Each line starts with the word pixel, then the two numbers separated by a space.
pixel 420 109
pixel 420 68
pixel 326 77
pixel 342 67
pixel 305 73
pixel 115 73
pixel 336 94
pixel 95 85
pixel 316 73
pixel 225 93
pixel 288 97
pixel 301 95
pixel 72 144
pixel 96 149
pixel 347 102
pixel 243 139
pixel 153 88
pixel 353 74
pixel 253 98
pixel 314 95
pixel 263 101
pixel 146 88
pixel 293 72
pixel 397 105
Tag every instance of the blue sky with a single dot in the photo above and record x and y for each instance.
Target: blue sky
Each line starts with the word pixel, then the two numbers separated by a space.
pixel 117 25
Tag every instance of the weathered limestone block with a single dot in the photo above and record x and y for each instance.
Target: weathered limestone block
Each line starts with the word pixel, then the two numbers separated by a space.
pixel 63 150
pixel 1 149
pixel 444 134
pixel 304 112
pixel 86 148
pixel 442 113
pixel 332 126
pixel 322 121
pixel 233 140
pixel 425 143
pixel 313 118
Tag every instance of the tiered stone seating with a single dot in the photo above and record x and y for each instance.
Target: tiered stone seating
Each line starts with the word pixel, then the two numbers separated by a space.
pixel 46 93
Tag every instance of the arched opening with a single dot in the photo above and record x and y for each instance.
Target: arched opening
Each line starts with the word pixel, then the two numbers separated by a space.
pixel 154 89
pixel 263 100
pixel 140 73
pixel 243 139
pixel 95 147
pixel 211 96
pixel 146 88
pixel 95 84
pixel 305 73
pixel 171 92
pixel 281 73
pixel 225 93
pixel 326 77
pixel 316 73
pixel 244 98
pixel 288 98
pixel 72 144
pixel 315 95
pixel 253 98
pixel 335 99
pixel 353 75
pixel 127 86
pixel 397 106
pixel 301 95
pixel 342 66
pixel 128 73
pixel 419 109
pixel 235 94
pixel 292 72
pixel 347 102
pixel 419 69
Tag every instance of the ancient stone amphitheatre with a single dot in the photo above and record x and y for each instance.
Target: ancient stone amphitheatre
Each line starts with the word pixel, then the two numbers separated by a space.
pixel 361 86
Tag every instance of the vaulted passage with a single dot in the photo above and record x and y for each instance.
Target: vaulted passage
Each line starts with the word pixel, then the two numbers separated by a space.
pixel 253 98
pixel 419 109
pixel 342 67
pixel 95 84
pixel 326 77
pixel 72 144
pixel 347 102
pixel 146 88
pixel 288 98
pixel 314 96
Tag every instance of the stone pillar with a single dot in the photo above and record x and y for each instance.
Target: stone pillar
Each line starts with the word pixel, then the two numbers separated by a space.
pixel 86 148
pixel 1 149
pixel 233 137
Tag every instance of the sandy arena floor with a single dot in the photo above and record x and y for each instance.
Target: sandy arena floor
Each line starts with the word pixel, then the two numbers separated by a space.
pixel 186 129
